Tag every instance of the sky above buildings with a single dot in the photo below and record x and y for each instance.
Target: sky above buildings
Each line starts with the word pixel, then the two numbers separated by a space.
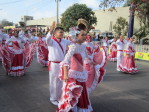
pixel 12 10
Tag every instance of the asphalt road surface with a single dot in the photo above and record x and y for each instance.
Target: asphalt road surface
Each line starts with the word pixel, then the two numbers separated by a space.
pixel 118 92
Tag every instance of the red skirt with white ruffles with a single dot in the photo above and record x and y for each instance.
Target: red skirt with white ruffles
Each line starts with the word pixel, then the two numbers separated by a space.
pixel 96 72
pixel 17 67
pixel 112 56
pixel 43 55
pixel 128 65
pixel 74 97
pixel 16 61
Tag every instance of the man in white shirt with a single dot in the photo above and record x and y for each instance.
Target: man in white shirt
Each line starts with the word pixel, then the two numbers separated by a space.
pixel 120 47
pixel 57 47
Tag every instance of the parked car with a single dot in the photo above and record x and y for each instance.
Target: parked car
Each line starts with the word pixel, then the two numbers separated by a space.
pixel 108 34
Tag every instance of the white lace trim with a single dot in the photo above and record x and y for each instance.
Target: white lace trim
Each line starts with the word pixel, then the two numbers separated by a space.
pixel 79 76
pixel 124 67
pixel 20 51
pixel 17 68
pixel 19 73
pixel 112 59
pixel 69 106
pixel 64 63
pixel 43 62
pixel 130 70
pixel 76 49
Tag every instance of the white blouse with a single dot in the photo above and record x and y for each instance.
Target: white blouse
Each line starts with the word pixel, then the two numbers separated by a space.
pixel 128 50
pixel 76 49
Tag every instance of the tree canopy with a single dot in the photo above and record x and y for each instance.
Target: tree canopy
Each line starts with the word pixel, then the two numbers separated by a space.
pixel 121 26
pixel 75 12
pixel 4 22
pixel 141 7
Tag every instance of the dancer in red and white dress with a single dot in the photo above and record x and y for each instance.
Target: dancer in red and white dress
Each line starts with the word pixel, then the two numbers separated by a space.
pixel 14 57
pixel 128 63
pixel 42 50
pixel 106 43
pixel 75 97
pixel 0 43
pixel 0 48
pixel 113 51
pixel 29 48
pixel 3 38
pixel 96 69
pixel 28 37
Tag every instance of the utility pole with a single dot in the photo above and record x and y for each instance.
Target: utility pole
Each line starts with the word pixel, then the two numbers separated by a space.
pixel 131 20
pixel 57 10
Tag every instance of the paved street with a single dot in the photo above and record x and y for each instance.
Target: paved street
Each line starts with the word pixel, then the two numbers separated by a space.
pixel 118 92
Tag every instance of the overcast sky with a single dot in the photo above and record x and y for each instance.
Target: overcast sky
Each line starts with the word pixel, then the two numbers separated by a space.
pixel 12 10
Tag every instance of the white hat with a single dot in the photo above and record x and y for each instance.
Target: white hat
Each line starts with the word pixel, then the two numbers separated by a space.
pixel 73 31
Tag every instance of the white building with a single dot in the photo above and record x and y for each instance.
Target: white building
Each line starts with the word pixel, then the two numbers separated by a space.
pixel 105 19
pixel 26 18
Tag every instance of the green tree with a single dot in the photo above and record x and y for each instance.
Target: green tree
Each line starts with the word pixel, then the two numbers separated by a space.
pixel 121 26
pixel 75 12
pixel 141 7
pixel 142 32
pixel 142 13
pixel 5 23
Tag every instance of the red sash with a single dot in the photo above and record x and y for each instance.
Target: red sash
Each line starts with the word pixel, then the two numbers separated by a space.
pixel 107 41
pixel 89 50
pixel 58 43
pixel 119 50
pixel 122 41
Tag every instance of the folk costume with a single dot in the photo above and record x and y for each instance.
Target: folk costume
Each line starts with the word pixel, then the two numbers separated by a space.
pixel 16 59
pixel 95 70
pixel 113 52
pixel 57 50
pixel 128 63
pixel 120 53
pixel 42 51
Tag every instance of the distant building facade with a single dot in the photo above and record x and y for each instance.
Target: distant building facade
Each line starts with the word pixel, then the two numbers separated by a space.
pixel 26 18
pixel 105 19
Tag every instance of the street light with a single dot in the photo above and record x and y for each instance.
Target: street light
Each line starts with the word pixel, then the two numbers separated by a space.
pixel 57 5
